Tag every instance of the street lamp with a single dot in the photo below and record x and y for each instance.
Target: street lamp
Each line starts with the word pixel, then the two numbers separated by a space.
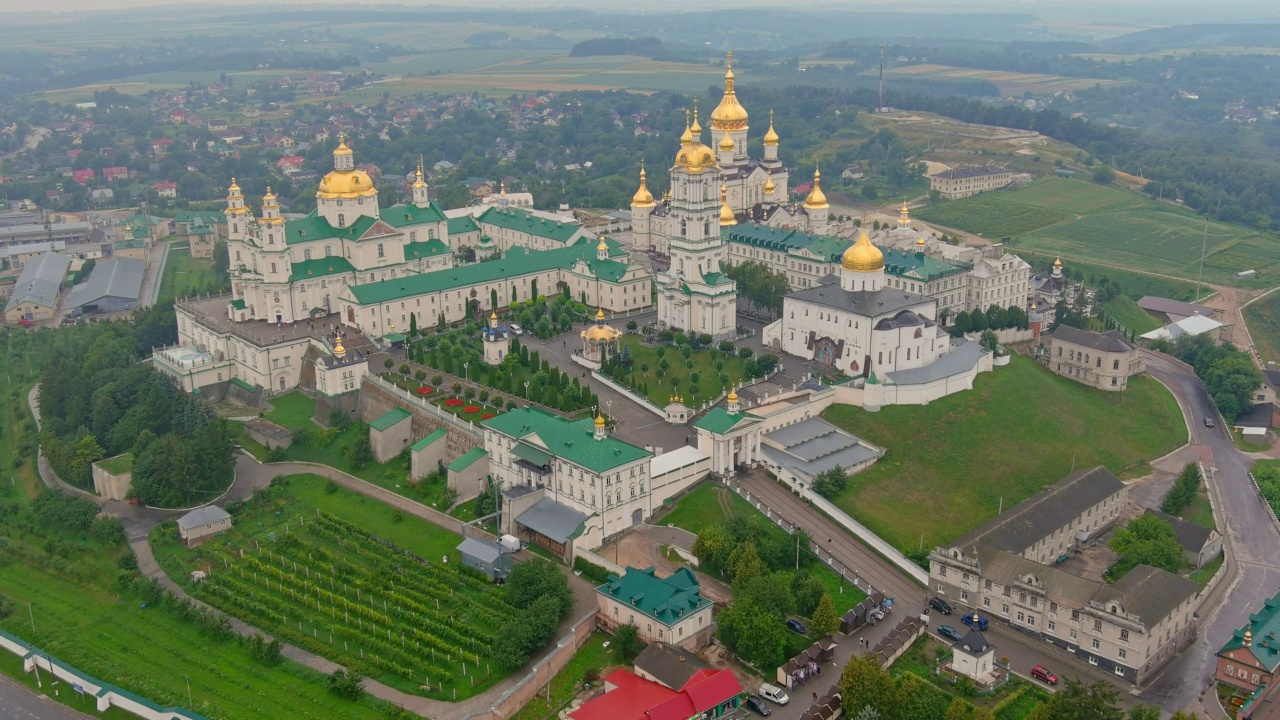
pixel 465 373
pixel 526 390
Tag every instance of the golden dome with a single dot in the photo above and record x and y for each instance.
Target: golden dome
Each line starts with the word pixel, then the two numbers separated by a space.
pixel 600 333
pixel 600 314
pixel 338 350
pixel 729 115
pixel 726 213
pixel 599 421
pixel 347 184
pixel 342 148
pixel 695 129
pixel 602 244
pixel 270 197
pixel 493 318
pixel 726 143
pixel 687 137
pixel 234 187
pixel 642 198
pixel 695 156
pixel 771 137
pixel 904 215
pixel 1057 263
pixel 862 256
pixel 817 200
pixel 733 396
pixel 418 181
pixel 920 241
pixel 769 187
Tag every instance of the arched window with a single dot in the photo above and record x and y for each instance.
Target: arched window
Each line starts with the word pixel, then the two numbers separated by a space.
pixel 431 233
pixel 413 236
pixel 328 250
pixel 381 253
pixel 342 219
pixel 306 254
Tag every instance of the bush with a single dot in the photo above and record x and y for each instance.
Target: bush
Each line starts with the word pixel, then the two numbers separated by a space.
pixel 346 686
pixel 627 643
pixel 589 571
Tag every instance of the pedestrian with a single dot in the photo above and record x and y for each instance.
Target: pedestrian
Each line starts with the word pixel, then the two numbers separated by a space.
pixel 815 695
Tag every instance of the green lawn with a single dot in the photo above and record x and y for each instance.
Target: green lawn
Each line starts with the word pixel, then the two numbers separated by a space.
pixel 593 657
pixel 951 464
pixel 702 507
pixel 303 541
pixel 660 387
pixel 1126 311
pixel 1109 224
pixel 1133 285
pixel 1203 575
pixel 292 410
pixel 1199 511
pixel 1263 320
pixel 118 464
pixel 185 275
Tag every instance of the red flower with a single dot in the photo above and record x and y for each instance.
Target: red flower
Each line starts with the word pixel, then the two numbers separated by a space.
pixel 471 409
pixel 453 402
pixel 426 390
pixel 486 416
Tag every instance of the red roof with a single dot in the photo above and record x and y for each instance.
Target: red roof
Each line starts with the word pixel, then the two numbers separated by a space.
pixel 162 141
pixel 629 697
pixel 165 185
pixel 83 176
pixel 289 160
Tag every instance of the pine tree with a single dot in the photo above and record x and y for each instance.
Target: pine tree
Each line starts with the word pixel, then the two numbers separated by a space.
pixel 825 620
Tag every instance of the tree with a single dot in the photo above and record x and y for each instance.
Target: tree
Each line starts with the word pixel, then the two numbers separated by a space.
pixel 825 621
pixel 713 546
pixel 753 632
pixel 413 324
pixel 771 592
pixel 959 710
pixel 1078 701
pixel 1104 175
pixel 863 683
pixel 359 453
pixel 808 591
pixel 1232 381
pixel 1144 712
pixel 626 641
pixel 831 482
pixel 388 363
pixel 346 685
pixel 1183 491
pixel 535 579
pixel 746 565
pixel 1146 540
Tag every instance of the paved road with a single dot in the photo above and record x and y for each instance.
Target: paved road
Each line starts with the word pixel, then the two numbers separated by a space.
pixel 1250 531
pixel 18 702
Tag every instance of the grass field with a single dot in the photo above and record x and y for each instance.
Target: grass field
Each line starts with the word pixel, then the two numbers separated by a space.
pixel 701 507
pixel 593 657
pixel 1107 224
pixel 1134 285
pixel 952 464
pixel 300 555
pixel 1010 83
pixel 661 389
pixel 185 275
pixel 1263 320
pixel 1126 311
pixel 118 464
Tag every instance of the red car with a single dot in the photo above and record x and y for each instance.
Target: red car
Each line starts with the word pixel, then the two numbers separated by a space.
pixel 1039 672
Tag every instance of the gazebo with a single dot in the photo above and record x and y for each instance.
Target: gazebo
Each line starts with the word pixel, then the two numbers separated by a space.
pixel 600 340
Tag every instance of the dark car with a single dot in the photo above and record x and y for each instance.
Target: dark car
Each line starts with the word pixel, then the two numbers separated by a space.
pixel 1040 672
pixel 949 633
pixel 758 706
pixel 940 605
pixel 796 626
pixel 975 620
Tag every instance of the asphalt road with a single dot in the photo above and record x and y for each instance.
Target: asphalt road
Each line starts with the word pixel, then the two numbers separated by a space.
pixel 17 702
pixel 1250 531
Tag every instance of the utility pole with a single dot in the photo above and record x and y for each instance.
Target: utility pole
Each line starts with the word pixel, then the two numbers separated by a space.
pixel 880 105
pixel 1204 242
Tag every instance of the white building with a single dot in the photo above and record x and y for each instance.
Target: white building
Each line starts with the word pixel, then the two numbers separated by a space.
pixel 963 182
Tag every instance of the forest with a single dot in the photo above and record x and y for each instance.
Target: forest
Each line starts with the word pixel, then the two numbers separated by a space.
pixel 103 402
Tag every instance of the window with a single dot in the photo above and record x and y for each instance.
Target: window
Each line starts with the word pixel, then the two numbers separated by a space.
pixel 1095 644
pixel 1053 606
pixel 1075 616
pixel 1093 660
pixel 328 250
pixel 1097 626
pixel 1022 617
pixel 1053 626
pixel 381 253
pixel 306 254
pixel 964 597
pixel 942 571
pixel 1073 634
pixel 1115 365
pixel 987 585
pixel 342 219
pixel 986 602
pixel 1124 636
pixel 1231 671
pixel 1123 654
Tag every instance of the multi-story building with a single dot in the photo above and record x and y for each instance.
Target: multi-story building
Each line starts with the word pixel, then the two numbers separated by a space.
pixel 668 610
pixel 1250 658
pixel 1017 568
pixel 1104 361
pixel 963 182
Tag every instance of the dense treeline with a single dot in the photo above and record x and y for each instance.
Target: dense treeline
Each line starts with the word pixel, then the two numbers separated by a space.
pixel 103 402
pixel 1226 371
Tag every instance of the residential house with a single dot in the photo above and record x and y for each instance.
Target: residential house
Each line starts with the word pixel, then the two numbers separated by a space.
pixel 663 609
pixel 708 694
pixel 166 189
pixel 203 524
pixel 1202 545
pixel 1104 361
pixel 1248 660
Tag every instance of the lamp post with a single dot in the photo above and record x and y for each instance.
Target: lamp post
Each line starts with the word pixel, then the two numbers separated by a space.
pixel 465 372
pixel 526 390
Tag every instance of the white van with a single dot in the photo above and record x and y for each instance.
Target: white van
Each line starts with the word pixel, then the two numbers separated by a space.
pixel 772 693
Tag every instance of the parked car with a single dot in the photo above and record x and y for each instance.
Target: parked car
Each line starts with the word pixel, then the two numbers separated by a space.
pixel 949 633
pixel 796 626
pixel 516 329
pixel 940 605
pixel 975 620
pixel 756 705
pixel 773 693
pixel 1040 672
pixel 1208 421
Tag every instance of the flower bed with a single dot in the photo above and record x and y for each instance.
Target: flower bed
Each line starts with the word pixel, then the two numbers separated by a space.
pixel 471 410
pixel 426 390
pixel 453 402
pixel 486 416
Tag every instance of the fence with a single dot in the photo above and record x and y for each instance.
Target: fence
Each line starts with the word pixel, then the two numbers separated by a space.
pixel 105 695
pixel 423 403
pixel 539 676
pixel 450 379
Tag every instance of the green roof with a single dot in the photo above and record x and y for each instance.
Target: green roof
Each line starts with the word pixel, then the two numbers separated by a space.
pixel 719 421
pixel 667 600
pixel 532 454
pixel 405 215
pixel 467 460
pixel 239 304
pixel 715 278
pixel 424 442
pixel 918 266
pixel 315 227
pixel 573 441
pixel 320 267
pixel 430 248
pixel 130 244
pixel 392 417
pixel 899 263
pixel 204 217
pixel 463 224
pixel 518 261
pixel 1265 626
pixel 242 384
pixel 522 221
pixel 146 220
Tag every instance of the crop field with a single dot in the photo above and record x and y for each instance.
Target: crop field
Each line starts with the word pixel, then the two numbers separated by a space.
pixel 1263 319
pixel 1010 83
pixel 1082 221
pixel 368 602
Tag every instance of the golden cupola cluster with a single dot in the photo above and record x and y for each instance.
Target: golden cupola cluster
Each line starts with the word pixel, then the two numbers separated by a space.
pixel 816 200
pixel 726 213
pixel 642 198
pixel 693 155
pixel 729 114
pixel 345 182
pixel 862 256
pixel 771 137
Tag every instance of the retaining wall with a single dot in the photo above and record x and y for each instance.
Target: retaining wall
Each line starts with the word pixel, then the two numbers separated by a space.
pixel 377 397
pixel 535 681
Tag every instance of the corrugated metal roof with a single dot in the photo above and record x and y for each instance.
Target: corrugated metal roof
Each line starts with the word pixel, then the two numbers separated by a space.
pixel 119 278
pixel 39 281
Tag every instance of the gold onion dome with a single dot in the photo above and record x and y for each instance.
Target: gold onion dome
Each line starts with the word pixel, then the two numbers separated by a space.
pixel 733 396
pixel 687 137
pixel 493 318
pixel 1057 262
pixel 346 184
pixel 771 137
pixel 599 421
pixel 342 148
pixel 817 200
pixel 726 213
pixel 695 129
pixel 920 241
pixel 338 350
pixel 769 186
pixel 418 182
pixel 234 187
pixel 726 143
pixel 642 198
pixel 904 215
pixel 729 115
pixel 602 245
pixel 862 256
